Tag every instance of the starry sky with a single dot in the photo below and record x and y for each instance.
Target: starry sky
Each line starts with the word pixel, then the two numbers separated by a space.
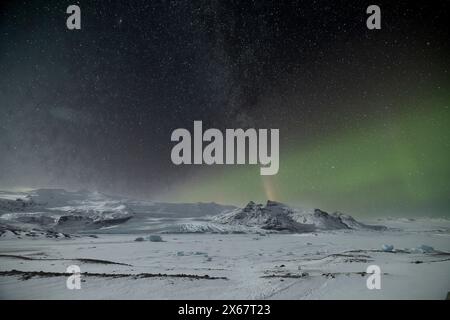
pixel 363 114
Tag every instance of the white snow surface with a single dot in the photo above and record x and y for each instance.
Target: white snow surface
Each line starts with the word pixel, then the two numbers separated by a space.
pixel 323 265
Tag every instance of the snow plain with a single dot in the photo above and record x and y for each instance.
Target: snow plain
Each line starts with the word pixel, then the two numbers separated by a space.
pixel 321 265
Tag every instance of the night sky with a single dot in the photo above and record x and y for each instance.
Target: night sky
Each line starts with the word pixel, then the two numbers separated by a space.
pixel 363 114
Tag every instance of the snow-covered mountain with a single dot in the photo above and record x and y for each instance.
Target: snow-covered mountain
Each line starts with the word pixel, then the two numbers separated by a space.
pixel 273 216
pixel 84 211
pixel 61 211
pixel 277 216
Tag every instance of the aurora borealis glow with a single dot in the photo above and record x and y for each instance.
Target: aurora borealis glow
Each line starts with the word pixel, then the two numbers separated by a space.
pixel 387 168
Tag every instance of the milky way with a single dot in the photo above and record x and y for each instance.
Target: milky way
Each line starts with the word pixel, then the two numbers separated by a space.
pixel 363 114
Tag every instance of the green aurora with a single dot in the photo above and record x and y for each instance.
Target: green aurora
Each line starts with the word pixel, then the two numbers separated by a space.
pixel 398 166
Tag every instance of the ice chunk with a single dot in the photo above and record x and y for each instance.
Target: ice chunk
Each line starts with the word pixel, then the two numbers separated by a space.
pixel 425 249
pixel 155 238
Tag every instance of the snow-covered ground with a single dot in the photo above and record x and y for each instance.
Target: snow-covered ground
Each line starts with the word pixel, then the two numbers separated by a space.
pixel 325 265
pixel 210 251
